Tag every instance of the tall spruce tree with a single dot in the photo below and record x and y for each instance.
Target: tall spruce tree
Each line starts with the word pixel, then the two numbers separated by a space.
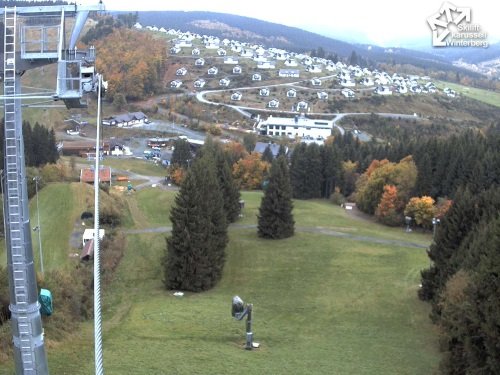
pixel 267 155
pixel 181 155
pixel 195 253
pixel 228 186
pixel 275 219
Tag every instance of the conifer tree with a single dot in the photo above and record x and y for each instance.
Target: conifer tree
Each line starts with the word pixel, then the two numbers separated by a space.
pixel 227 183
pixel 267 155
pixel 275 219
pixel 228 186
pixel 181 154
pixel 195 252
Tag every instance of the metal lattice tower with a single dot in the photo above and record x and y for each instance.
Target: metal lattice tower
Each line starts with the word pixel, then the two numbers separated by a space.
pixel 29 350
pixel 34 51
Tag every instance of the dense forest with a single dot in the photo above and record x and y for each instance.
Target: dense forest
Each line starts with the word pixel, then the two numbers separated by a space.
pixel 39 144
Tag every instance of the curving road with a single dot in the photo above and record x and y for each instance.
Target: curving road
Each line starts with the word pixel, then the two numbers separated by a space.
pixel 243 110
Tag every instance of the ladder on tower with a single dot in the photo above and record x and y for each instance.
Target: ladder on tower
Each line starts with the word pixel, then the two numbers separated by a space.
pixel 14 192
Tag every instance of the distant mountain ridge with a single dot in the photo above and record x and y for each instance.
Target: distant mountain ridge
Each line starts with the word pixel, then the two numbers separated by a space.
pixel 280 36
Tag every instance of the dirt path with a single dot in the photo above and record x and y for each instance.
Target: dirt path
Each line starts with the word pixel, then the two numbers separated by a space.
pixel 318 230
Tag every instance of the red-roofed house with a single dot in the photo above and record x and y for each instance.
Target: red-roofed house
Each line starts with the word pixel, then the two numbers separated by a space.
pixel 87 175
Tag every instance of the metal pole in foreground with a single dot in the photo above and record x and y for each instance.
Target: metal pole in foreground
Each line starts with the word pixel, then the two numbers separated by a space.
pixel 38 227
pixel 249 336
pixel 99 368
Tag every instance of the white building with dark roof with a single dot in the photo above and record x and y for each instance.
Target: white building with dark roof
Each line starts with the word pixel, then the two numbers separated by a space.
pixel 298 126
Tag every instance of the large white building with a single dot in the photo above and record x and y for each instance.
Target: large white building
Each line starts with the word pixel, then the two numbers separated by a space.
pixel 298 126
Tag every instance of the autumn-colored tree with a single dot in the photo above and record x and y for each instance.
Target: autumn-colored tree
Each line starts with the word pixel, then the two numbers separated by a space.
pixel 370 185
pixel 132 62
pixel 234 151
pixel 349 177
pixel 422 210
pixel 387 210
pixel 442 207
pixel 251 171
pixel 177 175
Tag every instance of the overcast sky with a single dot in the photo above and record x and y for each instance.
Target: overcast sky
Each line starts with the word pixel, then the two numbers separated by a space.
pixel 383 22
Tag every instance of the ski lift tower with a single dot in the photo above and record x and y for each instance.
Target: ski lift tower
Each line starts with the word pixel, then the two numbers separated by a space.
pixel 34 37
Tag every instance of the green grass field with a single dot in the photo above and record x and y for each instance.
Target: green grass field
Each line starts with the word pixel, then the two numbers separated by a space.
pixel 322 304
pixel 485 96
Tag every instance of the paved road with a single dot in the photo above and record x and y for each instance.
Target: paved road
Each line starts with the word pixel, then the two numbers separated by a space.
pixel 243 110
pixel 318 230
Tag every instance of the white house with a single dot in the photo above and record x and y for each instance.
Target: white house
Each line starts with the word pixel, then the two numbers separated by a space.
pixel 199 83
pixel 231 60
pixel 211 45
pixel 298 126
pixel 314 69
pixel 290 62
pixel 236 96
pixel 367 81
pixel 88 234
pixel 347 83
pixel 289 73
pixel 221 52
pixel 382 90
pixel 237 69
pixel 348 93
pixel 274 103
pixel 199 62
pixel 248 53
pixel 330 67
pixel 256 77
pixel 301 106
pixel 224 82
pixel 416 89
pixel 181 72
pixel 449 92
pixel 126 120
pixel 316 82
pixel 307 61
pixel 175 50
pixel 322 95
pixel 175 84
pixel 292 93
pixel 266 65
pixel 184 44
pixel 138 26
pixel 401 89
pixel 195 52
pixel 264 91
pixel 213 71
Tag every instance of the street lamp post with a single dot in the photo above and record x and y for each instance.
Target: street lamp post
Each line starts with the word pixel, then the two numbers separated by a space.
pixel 435 223
pixel 38 228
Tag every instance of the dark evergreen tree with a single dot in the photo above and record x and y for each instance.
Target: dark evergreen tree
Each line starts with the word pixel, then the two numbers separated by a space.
pixel 452 230
pixel 267 155
pixel 181 156
pixel 275 219
pixel 228 186
pixel 331 170
pixel 249 141
pixel 282 150
pixel 353 59
pixel 195 252
pixel 306 171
